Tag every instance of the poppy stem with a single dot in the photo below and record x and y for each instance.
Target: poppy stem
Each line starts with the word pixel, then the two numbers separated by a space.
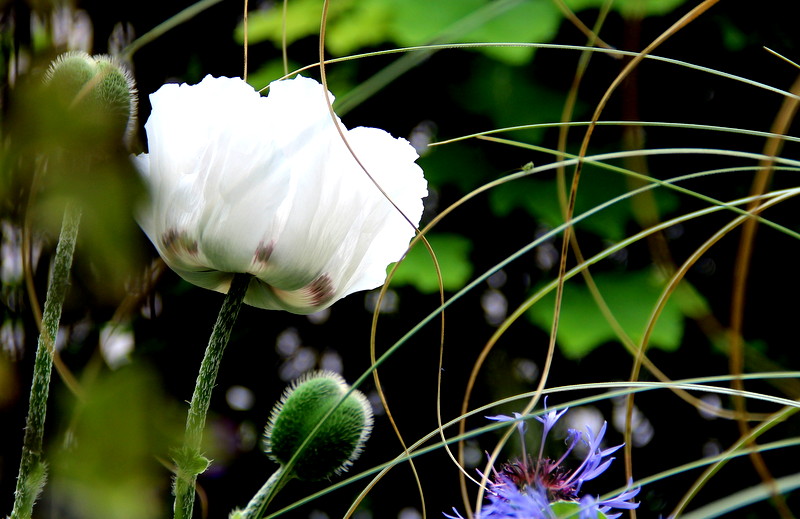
pixel 189 460
pixel 258 505
pixel 32 470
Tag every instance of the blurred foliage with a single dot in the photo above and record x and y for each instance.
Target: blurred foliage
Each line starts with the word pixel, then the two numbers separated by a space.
pixel 452 254
pixel 459 165
pixel 61 149
pixel 508 95
pixel 353 25
pixel 629 7
pixel 357 25
pixel 540 198
pixel 107 466
pixel 631 297
pixel 8 382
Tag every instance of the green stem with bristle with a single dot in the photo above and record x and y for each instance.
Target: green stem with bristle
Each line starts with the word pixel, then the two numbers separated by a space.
pixel 32 469
pixel 257 506
pixel 189 460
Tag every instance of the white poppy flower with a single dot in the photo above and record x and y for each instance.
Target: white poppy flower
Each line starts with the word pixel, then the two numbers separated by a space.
pixel 264 185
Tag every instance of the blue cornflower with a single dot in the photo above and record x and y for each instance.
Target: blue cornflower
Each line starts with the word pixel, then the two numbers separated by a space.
pixel 543 488
pixel 506 499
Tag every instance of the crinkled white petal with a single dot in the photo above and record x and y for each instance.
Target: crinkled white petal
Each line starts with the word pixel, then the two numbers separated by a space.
pixel 265 185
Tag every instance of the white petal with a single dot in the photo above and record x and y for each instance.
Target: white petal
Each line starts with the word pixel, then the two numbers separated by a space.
pixel 243 183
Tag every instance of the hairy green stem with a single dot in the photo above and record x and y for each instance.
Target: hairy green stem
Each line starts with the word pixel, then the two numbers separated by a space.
pixel 258 505
pixel 32 469
pixel 189 459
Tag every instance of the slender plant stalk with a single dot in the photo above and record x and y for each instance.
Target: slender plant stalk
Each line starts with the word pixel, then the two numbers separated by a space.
pixel 189 459
pixel 257 506
pixel 156 32
pixel 32 469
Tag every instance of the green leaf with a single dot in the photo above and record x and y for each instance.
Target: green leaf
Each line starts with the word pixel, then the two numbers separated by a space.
pixel 539 197
pixel 735 39
pixel 452 252
pixel 570 509
pixel 629 7
pixel 417 22
pixel 366 25
pixel 529 22
pixel 466 21
pixel 630 296
pixel 350 26
pixel 302 19
pixel 511 97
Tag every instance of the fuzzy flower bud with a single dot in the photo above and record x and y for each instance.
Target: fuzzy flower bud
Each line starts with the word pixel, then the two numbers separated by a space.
pixel 337 442
pixel 98 90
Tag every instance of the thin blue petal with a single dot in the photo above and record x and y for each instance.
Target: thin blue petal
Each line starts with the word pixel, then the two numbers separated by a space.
pixel 521 426
pixel 593 472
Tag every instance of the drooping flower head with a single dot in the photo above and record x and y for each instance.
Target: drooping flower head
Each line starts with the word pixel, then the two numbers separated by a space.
pixel 241 183
pixel 543 488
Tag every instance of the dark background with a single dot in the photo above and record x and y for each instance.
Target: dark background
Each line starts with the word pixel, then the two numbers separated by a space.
pixel 441 90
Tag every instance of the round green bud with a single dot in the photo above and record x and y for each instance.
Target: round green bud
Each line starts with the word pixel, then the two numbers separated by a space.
pixel 337 442
pixel 98 90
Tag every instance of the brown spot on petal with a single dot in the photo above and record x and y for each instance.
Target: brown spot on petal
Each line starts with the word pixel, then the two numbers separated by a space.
pixel 169 238
pixel 263 252
pixel 178 242
pixel 320 290
pixel 308 298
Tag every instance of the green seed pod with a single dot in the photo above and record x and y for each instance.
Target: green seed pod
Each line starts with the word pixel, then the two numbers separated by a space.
pixel 337 442
pixel 98 90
